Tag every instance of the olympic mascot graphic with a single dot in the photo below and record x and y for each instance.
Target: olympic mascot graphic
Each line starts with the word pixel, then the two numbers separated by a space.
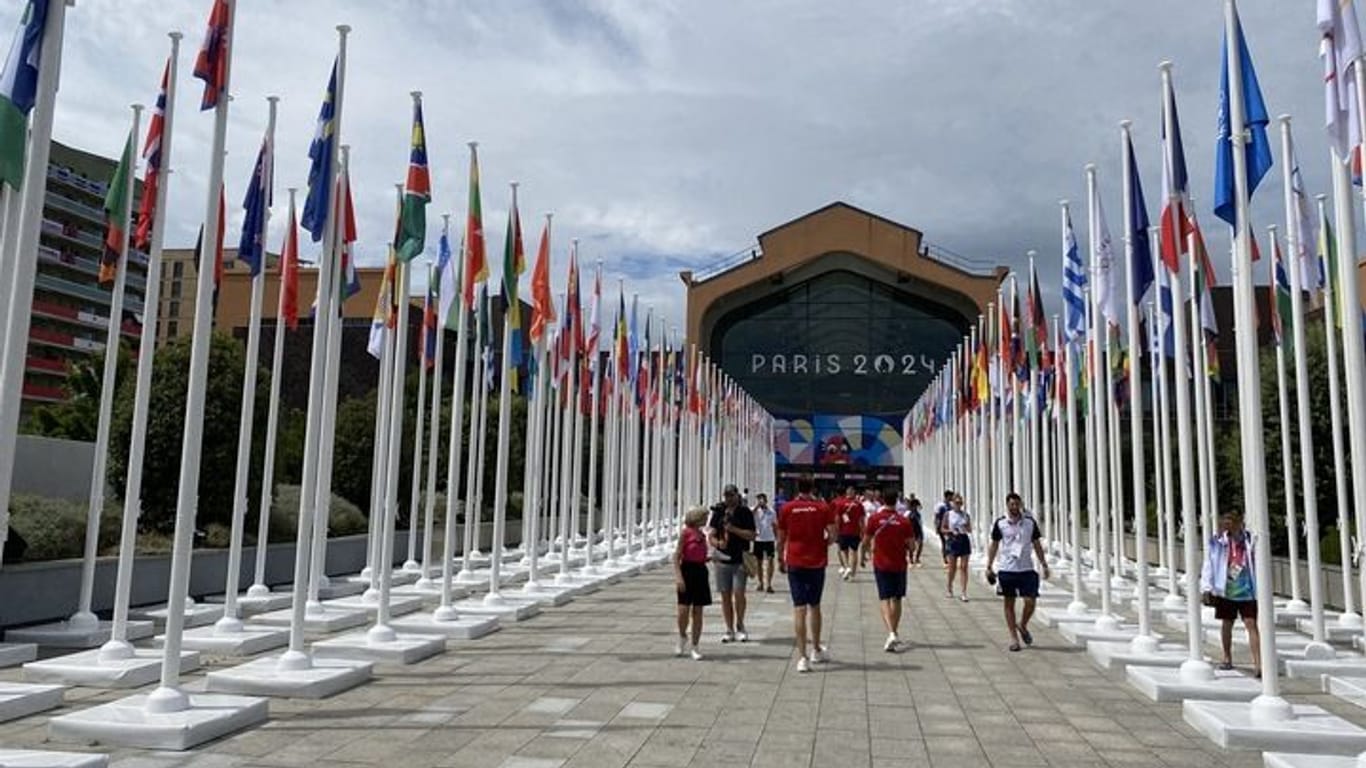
pixel 835 451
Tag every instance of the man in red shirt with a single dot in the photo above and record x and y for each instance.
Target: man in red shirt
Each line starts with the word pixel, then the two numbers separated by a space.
pixel 806 526
pixel 891 538
pixel 849 511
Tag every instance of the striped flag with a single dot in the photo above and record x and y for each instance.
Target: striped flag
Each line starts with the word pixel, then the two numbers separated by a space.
pixel 211 65
pixel 19 90
pixel 350 279
pixel 594 323
pixel 1281 314
pixel 382 318
pixel 417 192
pixel 151 179
pixel 1073 283
pixel 476 261
pixel 1176 208
pixel 1339 48
pixel 289 272
pixel 449 270
pixel 514 264
pixel 115 201
pixel 429 325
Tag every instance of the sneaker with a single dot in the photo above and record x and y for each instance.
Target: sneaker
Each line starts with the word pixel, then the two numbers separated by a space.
pixel 678 647
pixel 843 571
pixel 948 594
pixel 742 636
pixel 822 655
pixel 770 589
pixel 727 637
pixel 803 665
pixel 696 654
pixel 890 645
pixel 963 597
pixel 1026 637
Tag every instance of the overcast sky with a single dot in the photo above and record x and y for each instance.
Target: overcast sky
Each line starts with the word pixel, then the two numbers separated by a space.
pixel 666 135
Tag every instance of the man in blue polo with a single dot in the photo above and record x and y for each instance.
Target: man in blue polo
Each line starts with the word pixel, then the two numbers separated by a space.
pixel 1013 539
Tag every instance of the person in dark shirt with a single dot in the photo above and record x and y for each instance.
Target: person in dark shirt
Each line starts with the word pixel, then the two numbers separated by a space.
pixel 732 529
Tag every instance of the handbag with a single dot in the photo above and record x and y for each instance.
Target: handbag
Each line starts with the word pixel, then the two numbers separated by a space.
pixel 751 564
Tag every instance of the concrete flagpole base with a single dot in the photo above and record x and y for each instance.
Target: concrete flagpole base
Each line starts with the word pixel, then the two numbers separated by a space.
pixel 23 699
pixel 1284 640
pixel 1272 724
pixel 1350 689
pixel 196 614
pixel 1052 617
pixel 504 606
pixel 399 605
pixel 290 676
pixel 1317 660
pixel 1333 632
pixel 429 590
pixel 1112 654
pixel 12 654
pixel 381 644
pixel 321 621
pixel 250 605
pixel 1302 760
pixel 459 628
pixel 64 634
pixel 1105 628
pixel 397 578
pixel 1192 680
pixel 34 758
pixel 97 668
pixel 129 722
pixel 226 640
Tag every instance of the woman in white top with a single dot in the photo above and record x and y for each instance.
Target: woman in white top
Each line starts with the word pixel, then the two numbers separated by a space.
pixel 765 518
pixel 957 530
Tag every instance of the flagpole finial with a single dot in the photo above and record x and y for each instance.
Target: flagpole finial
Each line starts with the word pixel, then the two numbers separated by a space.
pixel 1063 203
pixel 343 29
pixel 446 219
pixel 1284 119
pixel 175 35
pixel 273 99
pixel 417 95
pixel 1126 124
pixel 473 145
pixel 1320 197
pixel 1165 66
pixel 1089 168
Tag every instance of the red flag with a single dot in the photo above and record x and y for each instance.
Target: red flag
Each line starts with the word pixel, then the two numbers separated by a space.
pixel 211 65
pixel 542 302
pixel 289 273
pixel 151 152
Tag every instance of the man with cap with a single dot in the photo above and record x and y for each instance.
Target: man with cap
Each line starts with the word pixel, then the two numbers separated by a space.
pixel 732 529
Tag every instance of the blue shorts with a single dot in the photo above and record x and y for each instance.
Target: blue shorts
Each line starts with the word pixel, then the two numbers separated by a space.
pixel 1017 583
pixel 849 543
pixel 806 585
pixel 891 585
pixel 958 545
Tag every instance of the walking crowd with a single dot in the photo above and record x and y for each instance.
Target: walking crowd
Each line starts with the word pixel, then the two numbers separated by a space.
pixel 741 542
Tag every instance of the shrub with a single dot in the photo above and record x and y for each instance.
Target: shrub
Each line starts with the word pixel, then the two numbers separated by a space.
pixel 54 529
pixel 344 518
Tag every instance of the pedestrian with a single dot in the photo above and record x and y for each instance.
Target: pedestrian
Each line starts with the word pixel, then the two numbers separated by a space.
pixel 940 511
pixel 732 529
pixel 1014 538
pixel 1227 582
pixel 849 512
pixel 890 537
pixel 918 542
pixel 957 532
pixel 806 526
pixel 690 577
pixel 765 518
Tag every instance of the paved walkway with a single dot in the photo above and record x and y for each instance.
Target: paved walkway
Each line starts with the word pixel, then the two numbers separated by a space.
pixel 594 684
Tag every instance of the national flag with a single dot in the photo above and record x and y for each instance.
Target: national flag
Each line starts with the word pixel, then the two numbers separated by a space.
pixel 252 247
pixel 571 329
pixel 19 90
pixel 448 267
pixel 349 278
pixel 1037 340
pixel 430 334
pixel 1165 322
pixel 211 65
pixel 483 319
pixel 633 342
pixel 151 177
pixel 1339 49
pixel 1176 207
pixel 382 319
pixel 981 382
pixel 594 329
pixel 1104 291
pixel 621 341
pixel 476 261
pixel 417 193
pixel 542 302
pixel 322 153
pixel 218 247
pixel 1257 148
pixel 1281 312
pixel 1141 263
pixel 1205 281
pixel 289 272
pixel 1328 263
pixel 115 201
pixel 1304 255
pixel 1073 283
pixel 514 263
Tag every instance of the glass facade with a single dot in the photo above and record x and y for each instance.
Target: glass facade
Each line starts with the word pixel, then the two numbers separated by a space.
pixel 839 343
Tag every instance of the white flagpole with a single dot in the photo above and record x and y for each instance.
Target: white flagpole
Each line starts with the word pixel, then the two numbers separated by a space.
pixel 593 464
pixel 258 587
pixel 425 582
pixel 1173 598
pixel 1349 616
pixel 415 491
pixel 533 462
pixel 1100 410
pixel 378 459
pixel 1269 706
pixel 455 442
pixel 231 622
pixel 500 471
pixel 118 647
pixel 474 466
pixel 22 219
pixel 1296 602
pixel 1144 642
pixel 1354 357
pixel 1308 482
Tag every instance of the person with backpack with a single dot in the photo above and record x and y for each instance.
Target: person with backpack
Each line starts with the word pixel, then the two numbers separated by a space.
pixel 890 537
pixel 691 580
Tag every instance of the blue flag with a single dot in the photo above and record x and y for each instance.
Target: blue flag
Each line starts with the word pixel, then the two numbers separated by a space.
pixel 251 248
pixel 1255 118
pixel 1141 268
pixel 321 152
pixel 1073 283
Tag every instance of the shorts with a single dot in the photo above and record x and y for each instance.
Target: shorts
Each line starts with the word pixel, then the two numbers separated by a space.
pixel 891 585
pixel 1017 584
pixel 849 543
pixel 696 586
pixel 958 545
pixel 764 550
pixel 806 585
pixel 730 577
pixel 919 530
pixel 1228 610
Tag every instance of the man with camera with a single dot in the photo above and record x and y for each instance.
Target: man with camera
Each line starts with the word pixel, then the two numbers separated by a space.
pixel 1014 538
pixel 732 529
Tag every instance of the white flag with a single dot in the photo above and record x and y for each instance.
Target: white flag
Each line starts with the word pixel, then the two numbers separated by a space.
pixel 1339 48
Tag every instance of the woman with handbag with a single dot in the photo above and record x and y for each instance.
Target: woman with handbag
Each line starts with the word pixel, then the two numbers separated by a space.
pixel 1228 584
pixel 690 577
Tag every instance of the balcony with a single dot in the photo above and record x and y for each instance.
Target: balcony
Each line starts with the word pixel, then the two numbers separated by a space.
pixel 87 266
pixel 77 181
pixel 89 213
pixel 131 302
pixel 43 393
pixel 77 236
pixel 46 365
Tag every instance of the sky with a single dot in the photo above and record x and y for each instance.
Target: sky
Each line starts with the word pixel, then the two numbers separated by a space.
pixel 667 134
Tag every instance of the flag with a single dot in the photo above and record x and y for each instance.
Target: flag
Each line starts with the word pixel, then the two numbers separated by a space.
pixel 1281 313
pixel 151 178
pixel 322 153
pixel 571 330
pixel 476 261
pixel 430 335
pixel 1176 208
pixel 1257 147
pixel 211 65
pixel 633 343
pixel 514 263
pixel 1141 265
pixel 417 193
pixel 621 341
pixel 1103 291
pixel 289 272
pixel 252 247
pixel 542 302
pixel 1339 48
pixel 1165 337
pixel 449 270
pixel 1304 256
pixel 19 90
pixel 115 201
pixel 349 278
pixel 594 329
pixel 485 333
pixel 1328 264
pixel 1037 340
pixel 1073 283
pixel 382 319
pixel 1204 284
pixel 218 248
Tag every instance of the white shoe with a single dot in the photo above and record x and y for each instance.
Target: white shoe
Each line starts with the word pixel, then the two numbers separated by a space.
pixel 742 636
pixel 890 645
pixel 696 654
pixel 822 655
pixel 678 647
pixel 727 637
pixel 803 665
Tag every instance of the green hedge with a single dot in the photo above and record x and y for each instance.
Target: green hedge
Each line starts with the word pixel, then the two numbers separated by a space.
pixel 54 529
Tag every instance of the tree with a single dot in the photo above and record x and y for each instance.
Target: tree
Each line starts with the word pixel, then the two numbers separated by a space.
pixel 77 418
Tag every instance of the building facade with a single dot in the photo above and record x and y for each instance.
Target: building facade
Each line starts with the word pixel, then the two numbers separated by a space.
pixel 836 324
pixel 70 313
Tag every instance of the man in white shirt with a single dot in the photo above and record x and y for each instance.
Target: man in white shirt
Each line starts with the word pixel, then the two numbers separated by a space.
pixel 1013 539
